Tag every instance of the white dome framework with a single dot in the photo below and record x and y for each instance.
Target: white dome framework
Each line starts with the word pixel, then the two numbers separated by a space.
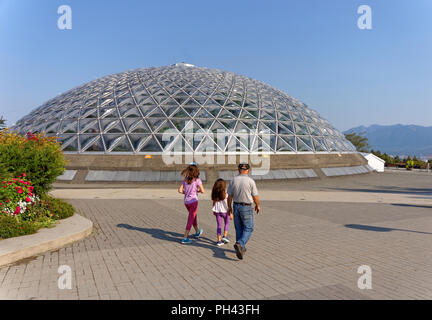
pixel 131 111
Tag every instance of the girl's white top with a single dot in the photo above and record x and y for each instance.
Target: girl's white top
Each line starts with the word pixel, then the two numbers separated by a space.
pixel 221 206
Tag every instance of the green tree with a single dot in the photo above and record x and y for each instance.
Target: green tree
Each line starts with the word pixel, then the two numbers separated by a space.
pixel 360 142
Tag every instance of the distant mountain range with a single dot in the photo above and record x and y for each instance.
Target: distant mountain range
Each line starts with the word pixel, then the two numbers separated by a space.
pixel 398 139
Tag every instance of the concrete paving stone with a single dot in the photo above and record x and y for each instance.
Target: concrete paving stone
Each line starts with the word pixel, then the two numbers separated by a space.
pixel 298 249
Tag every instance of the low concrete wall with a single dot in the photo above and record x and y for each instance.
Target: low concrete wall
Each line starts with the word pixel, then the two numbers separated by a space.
pixel 85 163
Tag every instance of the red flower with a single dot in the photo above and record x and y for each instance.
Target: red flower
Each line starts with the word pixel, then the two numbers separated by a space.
pixel 28 199
pixel 17 210
pixel 8 200
pixel 1 204
pixel 24 175
pixel 20 191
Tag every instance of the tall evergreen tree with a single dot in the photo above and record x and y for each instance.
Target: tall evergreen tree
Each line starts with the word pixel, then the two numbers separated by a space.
pixel 361 143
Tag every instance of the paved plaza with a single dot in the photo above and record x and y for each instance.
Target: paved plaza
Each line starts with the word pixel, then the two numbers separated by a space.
pixel 308 243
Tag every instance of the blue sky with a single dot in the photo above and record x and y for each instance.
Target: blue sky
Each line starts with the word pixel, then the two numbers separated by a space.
pixel 311 49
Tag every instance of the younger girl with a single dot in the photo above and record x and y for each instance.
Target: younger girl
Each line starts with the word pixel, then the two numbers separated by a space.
pixel 220 210
pixel 190 187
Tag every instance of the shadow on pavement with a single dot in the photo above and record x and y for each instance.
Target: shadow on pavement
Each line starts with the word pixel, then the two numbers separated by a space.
pixel 379 229
pixel 203 242
pixel 411 205
pixel 389 189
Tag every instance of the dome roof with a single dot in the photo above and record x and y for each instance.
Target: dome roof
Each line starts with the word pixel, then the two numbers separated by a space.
pixel 131 111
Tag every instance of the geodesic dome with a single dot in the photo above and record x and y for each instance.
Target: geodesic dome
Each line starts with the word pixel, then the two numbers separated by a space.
pixel 131 111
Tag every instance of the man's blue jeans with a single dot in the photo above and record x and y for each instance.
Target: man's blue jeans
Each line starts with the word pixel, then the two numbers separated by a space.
pixel 243 222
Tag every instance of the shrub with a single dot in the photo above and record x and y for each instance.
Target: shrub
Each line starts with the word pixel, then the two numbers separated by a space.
pixel 58 208
pixel 40 157
pixel 12 227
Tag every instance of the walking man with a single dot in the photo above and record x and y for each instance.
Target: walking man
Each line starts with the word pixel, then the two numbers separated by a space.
pixel 243 191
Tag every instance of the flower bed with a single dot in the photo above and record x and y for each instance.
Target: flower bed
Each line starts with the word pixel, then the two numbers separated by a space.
pixel 22 212
pixel 25 206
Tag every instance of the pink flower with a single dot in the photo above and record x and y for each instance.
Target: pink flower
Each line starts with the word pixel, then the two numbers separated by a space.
pixel 28 199
pixel 20 191
pixel 24 175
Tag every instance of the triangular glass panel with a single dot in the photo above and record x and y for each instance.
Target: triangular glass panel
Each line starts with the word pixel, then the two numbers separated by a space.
pixel 319 144
pixel 234 145
pixel 132 113
pixel 147 102
pixel 251 124
pixel 241 128
pixel 168 109
pixel 205 124
pixel 224 114
pixel 304 144
pixel 156 113
pixel 66 126
pixel 331 145
pixel 284 130
pixel 267 115
pixel 301 129
pixel 122 145
pixel 154 123
pixel 107 112
pixel 213 110
pixel 208 145
pixel 166 127
pixel 269 124
pixel 88 126
pixel 254 113
pixel 91 143
pixel 284 116
pixel 229 124
pixel 165 140
pixel 138 140
pixel 290 141
pixel 69 140
pixel 88 113
pixel 212 103
pixel 246 115
pixel 52 127
pixel 169 102
pixel 203 113
pixel 135 126
pixel 260 146
pixel 296 116
pixel 231 104
pixel 314 130
pixel 180 113
pixel 191 102
pixel 179 124
pixel 192 110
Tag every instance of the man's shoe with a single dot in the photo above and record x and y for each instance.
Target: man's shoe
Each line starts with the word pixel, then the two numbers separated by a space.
pixel 239 250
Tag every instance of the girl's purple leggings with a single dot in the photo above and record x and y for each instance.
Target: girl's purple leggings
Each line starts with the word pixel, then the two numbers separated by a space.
pixel 192 218
pixel 219 216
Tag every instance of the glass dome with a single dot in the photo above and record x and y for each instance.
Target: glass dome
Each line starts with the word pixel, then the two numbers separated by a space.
pixel 131 111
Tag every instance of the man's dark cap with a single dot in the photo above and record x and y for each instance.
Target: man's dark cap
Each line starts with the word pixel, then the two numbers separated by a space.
pixel 244 166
